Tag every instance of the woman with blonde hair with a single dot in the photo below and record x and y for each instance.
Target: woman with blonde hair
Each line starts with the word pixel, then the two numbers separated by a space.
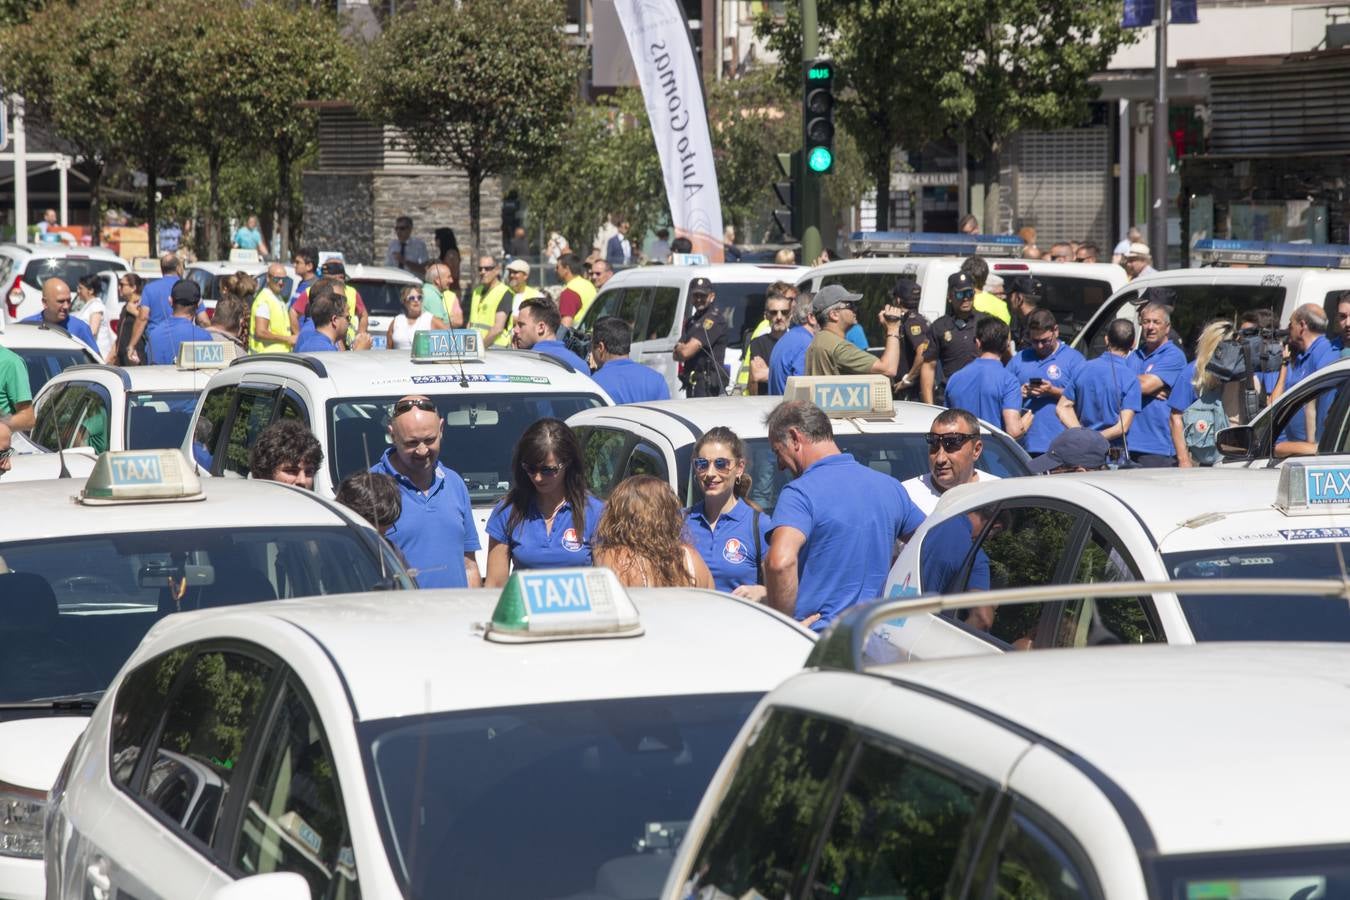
pixel 1196 401
pixel 641 537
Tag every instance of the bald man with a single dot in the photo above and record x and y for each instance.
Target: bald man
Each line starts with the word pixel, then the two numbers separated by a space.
pixel 56 312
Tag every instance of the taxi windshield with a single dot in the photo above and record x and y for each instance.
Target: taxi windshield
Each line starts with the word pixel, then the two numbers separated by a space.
pixel 1264 617
pixel 586 799
pixel 158 420
pixel 477 440
pixel 899 455
pixel 73 609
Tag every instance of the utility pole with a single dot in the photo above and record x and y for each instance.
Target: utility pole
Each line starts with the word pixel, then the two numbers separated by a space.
pixel 809 188
pixel 20 173
pixel 1157 164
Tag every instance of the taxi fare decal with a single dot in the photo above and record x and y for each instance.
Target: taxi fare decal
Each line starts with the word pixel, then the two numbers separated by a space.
pixel 1314 534
pixel 496 379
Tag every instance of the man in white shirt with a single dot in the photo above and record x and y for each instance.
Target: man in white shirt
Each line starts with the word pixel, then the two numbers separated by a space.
pixel 954 446
pixel 405 251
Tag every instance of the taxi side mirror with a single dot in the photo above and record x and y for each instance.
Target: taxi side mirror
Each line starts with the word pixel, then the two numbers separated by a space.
pixel 272 886
pixel 1236 442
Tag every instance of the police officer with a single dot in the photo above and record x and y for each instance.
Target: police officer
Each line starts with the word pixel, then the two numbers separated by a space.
pixel 918 352
pixel 703 343
pixel 1044 369
pixel 624 380
pixel 1024 297
pixel 954 333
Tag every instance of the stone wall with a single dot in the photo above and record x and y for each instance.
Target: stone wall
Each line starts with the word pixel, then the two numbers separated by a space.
pixel 435 198
pixel 339 210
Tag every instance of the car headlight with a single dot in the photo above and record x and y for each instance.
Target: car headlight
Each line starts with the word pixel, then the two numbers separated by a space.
pixel 21 814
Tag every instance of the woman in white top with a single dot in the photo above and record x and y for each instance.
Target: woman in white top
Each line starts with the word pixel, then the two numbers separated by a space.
pixel 413 318
pixel 88 308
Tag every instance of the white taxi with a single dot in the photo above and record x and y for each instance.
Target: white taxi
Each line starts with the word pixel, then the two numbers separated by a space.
pixel 416 746
pixel 26 267
pixel 1153 525
pixel 487 399
pixel 1116 773
pixel 658 438
pixel 1321 396
pixel 45 351
pixel 88 566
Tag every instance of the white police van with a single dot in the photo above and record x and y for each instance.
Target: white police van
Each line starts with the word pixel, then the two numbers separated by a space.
pixel 658 438
pixel 88 567
pixel 1151 525
pixel 416 745
pixel 486 397
pixel 1116 773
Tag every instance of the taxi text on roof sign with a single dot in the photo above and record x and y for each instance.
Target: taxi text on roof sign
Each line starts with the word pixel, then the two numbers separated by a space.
pixel 844 395
pixel 206 354
pixel 459 345
pixel 563 604
pixel 141 476
pixel 1314 486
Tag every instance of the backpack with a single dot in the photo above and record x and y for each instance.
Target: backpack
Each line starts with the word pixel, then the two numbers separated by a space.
pixel 1200 426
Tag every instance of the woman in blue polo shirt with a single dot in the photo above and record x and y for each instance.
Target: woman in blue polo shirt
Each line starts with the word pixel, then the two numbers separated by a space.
pixel 730 533
pixel 548 517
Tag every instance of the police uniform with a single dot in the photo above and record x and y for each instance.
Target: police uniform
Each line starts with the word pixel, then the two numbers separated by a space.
pixel 954 343
pixel 916 338
pixel 704 375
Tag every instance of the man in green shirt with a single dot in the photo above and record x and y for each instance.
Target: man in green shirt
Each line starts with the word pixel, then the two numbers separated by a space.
pixel 16 399
pixel 830 353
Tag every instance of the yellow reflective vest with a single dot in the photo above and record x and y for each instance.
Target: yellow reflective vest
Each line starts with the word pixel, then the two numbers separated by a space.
pixel 585 290
pixel 483 308
pixel 529 293
pixel 278 322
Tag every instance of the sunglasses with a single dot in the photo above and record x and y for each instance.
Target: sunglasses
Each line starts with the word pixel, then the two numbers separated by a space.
pixel 949 442
pixel 486 268
pixel 721 464
pixel 965 294
pixel 422 403
pixel 777 313
pixel 413 297
pixel 546 471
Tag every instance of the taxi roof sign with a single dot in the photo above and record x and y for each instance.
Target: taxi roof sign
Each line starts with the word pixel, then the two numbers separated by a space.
pixel 563 604
pixel 840 396
pixel 458 345
pixel 240 255
pixel 145 265
pixel 1314 486
pixel 924 243
pixel 141 476
pixel 1219 252
pixel 206 354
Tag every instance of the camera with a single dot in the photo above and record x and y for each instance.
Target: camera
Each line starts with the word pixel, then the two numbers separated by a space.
pixel 579 342
pixel 1250 352
pixel 890 318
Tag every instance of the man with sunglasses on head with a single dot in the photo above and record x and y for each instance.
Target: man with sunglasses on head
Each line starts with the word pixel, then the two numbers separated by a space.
pixel 435 529
pixel 831 353
pixel 954 446
pixel 954 333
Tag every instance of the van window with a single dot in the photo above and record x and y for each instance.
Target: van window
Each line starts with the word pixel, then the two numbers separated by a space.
pixel 875 288
pixel 1073 300
pixel 1193 305
pixel 744 307
pixel 661 319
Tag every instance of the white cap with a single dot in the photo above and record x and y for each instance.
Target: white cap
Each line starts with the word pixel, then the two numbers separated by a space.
pixel 518 265
pixel 1138 249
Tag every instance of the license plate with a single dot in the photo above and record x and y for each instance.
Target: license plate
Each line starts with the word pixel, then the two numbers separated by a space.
pixel 379 342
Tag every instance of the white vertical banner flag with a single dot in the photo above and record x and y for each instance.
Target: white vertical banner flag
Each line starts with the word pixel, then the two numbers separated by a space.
pixel 658 39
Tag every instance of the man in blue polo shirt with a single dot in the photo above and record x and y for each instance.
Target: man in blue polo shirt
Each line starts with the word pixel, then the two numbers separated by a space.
pixel 1309 350
pixel 1104 394
pixel 56 312
pixel 1044 370
pixel 435 529
pixel 163 337
pixel 624 380
pixel 836 523
pixel 155 297
pixel 1157 364
pixel 536 328
pixel 984 387
pixel 789 354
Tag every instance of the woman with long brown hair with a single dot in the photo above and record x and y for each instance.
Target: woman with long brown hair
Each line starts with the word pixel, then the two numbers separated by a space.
pixel 641 537
pixel 129 348
pixel 728 531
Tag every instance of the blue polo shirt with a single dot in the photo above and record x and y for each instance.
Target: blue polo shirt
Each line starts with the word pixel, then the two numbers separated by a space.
pixel 435 529
pixel 155 297
pixel 1058 368
pixel 532 547
pixel 856 336
pixel 162 339
pixel 628 382
pixel 558 350
pixel 852 516
pixel 312 341
pixel 75 327
pixel 788 357
pixel 983 387
pixel 945 546
pixel 1152 428
pixel 1319 355
pixel 728 545
pixel 1101 389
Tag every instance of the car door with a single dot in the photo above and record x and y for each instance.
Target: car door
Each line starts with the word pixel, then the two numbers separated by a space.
pixel 611 454
pixel 74 414
pixel 654 343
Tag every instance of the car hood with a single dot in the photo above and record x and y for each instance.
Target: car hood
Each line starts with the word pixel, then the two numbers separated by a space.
pixel 35 749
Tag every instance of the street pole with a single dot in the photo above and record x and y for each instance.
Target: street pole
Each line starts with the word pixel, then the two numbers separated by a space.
pixel 20 173
pixel 1157 164
pixel 810 185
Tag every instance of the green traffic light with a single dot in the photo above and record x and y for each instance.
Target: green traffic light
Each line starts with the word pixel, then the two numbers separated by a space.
pixel 820 159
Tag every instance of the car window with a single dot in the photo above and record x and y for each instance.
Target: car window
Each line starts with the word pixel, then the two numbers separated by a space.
pixel 208 725
pixel 136 712
pixel 69 269
pixel 606 303
pixel 76 417
pixel 742 306
pixel 209 284
pixel 661 319
pixel 1025 546
pixel 646 460
pixel 875 288
pixel 292 407
pixel 1100 620
pixel 1091 342
pixel 1073 300
pixel 763 832
pixel 253 414
pixel 44 364
pixel 210 426
pixel 902 829
pixel 293 819
pixel 602 450
pixel 1304 419
pixel 1033 864
pixel 158 419
pixel 382 298
pixel 1194 305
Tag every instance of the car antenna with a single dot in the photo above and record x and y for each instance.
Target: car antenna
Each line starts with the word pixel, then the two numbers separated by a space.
pixel 61 451
pixel 464 378
pixel 384 570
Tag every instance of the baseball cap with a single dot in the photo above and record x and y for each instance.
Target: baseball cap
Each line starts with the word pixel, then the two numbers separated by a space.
pixel 334 267
pixel 701 286
pixel 907 291
pixel 959 281
pixel 1026 285
pixel 832 295
pixel 518 265
pixel 185 292
pixel 1073 448
pixel 1138 248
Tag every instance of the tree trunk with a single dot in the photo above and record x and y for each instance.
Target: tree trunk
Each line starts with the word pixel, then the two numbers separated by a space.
pixel 881 171
pixel 475 213
pixel 992 189
pixel 152 207
pixel 95 201
pixel 213 229
pixel 284 236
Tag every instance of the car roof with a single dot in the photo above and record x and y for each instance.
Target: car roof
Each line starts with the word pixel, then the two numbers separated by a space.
pixel 997 266
pixel 726 273
pixel 1189 733
pixel 60 249
pixel 443 663
pixel 226 267
pixel 361 272
pixel 229 503
pixel 140 378
pixel 30 335
pixel 1224 275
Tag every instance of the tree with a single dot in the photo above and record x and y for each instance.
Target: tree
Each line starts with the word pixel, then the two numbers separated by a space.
pixel 480 85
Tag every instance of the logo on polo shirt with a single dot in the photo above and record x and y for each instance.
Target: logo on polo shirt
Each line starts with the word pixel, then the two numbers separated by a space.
pixel 733 551
pixel 570 540
pixel 1053 371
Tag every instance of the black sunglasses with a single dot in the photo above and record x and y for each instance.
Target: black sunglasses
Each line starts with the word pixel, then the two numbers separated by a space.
pixel 546 471
pixel 722 464
pixel 422 403
pixel 949 442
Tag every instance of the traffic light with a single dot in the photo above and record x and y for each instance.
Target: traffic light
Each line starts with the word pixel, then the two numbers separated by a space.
pixel 818 117
pixel 786 213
